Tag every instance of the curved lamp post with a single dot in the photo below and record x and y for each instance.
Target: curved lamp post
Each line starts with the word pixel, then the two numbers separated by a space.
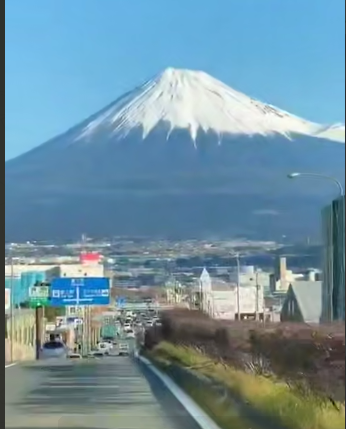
pixel 319 176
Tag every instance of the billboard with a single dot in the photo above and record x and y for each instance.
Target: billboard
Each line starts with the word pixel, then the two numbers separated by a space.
pixel 87 258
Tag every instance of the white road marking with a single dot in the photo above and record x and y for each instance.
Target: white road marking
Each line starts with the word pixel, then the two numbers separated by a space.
pixel 195 411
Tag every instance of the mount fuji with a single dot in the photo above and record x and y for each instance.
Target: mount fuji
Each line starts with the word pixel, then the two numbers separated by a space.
pixel 182 155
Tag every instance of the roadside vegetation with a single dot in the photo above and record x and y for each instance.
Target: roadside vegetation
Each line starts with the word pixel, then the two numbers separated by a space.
pixel 287 376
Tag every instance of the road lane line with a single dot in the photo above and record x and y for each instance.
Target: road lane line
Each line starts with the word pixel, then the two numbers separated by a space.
pixel 10 364
pixel 194 410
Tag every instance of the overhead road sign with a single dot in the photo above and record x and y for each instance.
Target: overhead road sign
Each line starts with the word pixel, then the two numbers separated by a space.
pixel 120 301
pixel 85 291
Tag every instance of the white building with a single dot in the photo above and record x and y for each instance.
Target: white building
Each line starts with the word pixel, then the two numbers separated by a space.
pixel 250 276
pixel 222 300
pixel 79 270
pixel 282 277
pixel 17 269
pixel 68 270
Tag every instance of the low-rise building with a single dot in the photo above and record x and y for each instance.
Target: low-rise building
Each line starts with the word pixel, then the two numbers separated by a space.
pixel 225 300
pixel 282 277
pixel 303 302
pixel 79 270
pixel 19 278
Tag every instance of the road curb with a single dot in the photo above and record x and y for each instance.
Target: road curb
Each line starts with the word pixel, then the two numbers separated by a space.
pixel 194 410
pixel 10 365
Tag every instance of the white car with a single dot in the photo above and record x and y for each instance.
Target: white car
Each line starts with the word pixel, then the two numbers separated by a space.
pixel 104 348
pixel 130 334
pixel 97 354
pixel 110 344
pixel 54 350
pixel 123 349
pixel 74 356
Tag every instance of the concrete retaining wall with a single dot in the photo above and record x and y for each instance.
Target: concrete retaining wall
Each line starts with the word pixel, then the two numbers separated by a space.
pixel 21 352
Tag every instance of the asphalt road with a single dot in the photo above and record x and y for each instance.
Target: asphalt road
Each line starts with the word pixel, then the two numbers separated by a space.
pixel 109 393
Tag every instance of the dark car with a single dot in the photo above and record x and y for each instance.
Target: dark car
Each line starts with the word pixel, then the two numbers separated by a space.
pixel 54 349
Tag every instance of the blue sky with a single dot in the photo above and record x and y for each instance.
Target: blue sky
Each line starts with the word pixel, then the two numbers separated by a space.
pixel 65 59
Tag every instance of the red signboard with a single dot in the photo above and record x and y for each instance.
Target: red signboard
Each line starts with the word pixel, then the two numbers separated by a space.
pixel 90 258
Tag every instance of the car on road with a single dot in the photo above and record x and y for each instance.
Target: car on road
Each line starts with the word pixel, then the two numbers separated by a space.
pixel 109 342
pixel 130 334
pixel 97 354
pixel 73 355
pixel 104 347
pixel 123 349
pixel 55 349
pixel 127 327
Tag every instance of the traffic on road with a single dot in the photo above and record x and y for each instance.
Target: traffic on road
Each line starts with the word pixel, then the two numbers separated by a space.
pixel 123 331
pixel 108 389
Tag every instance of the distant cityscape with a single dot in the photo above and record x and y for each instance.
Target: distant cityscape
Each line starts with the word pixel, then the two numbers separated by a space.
pixel 227 279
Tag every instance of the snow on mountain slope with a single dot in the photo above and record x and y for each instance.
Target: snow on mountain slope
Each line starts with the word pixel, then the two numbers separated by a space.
pixel 335 132
pixel 194 100
pixel 99 178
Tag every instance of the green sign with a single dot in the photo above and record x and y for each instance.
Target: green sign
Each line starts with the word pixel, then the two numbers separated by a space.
pixel 39 296
pixel 34 303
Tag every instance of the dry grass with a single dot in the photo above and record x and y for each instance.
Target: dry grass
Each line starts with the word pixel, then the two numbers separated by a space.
pixel 268 396
pixel 309 358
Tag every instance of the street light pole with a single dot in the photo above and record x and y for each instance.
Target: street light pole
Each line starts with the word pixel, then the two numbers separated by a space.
pixel 237 258
pixel 257 297
pixel 340 187
pixel 12 303
pixel 238 287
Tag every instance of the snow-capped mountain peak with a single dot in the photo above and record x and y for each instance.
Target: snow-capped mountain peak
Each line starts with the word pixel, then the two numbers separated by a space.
pixel 194 100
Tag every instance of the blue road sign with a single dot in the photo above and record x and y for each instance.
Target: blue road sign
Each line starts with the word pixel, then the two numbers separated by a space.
pixel 121 301
pixel 80 291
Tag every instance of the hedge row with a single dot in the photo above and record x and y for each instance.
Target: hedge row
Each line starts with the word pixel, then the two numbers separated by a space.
pixel 311 358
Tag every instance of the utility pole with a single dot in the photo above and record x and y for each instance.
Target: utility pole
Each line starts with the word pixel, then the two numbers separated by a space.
pixel 80 327
pixel 201 296
pixel 257 297
pixel 39 329
pixel 83 330
pixel 238 287
pixel 89 330
pixel 238 309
